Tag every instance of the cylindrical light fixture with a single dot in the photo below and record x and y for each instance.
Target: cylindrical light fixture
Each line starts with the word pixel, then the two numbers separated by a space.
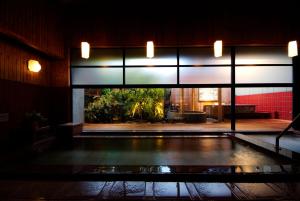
pixel 150 49
pixel 85 50
pixel 34 66
pixel 292 49
pixel 218 48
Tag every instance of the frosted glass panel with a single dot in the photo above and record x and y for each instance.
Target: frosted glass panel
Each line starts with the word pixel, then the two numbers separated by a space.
pixel 98 57
pixel 203 56
pixel 264 74
pixel 162 56
pixel 260 90
pixel 205 75
pixel 151 75
pixel 262 55
pixel 94 76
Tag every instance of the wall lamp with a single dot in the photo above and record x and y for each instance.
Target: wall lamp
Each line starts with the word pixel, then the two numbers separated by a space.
pixel 85 50
pixel 34 66
pixel 150 49
pixel 292 49
pixel 218 48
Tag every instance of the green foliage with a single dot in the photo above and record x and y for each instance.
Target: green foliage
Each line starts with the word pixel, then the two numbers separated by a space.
pixel 126 104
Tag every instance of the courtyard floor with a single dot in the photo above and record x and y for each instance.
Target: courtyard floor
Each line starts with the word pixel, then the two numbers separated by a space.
pixel 210 126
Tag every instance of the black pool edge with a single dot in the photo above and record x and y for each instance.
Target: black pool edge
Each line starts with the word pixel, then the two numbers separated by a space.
pixel 274 173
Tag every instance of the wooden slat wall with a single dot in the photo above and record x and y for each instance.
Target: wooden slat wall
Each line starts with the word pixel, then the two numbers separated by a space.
pixel 22 91
pixel 13 65
pixel 181 29
pixel 18 98
pixel 31 30
pixel 60 73
pixel 33 22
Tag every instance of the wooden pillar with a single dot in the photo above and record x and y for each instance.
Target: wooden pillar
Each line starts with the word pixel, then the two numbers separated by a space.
pixel 220 107
pixel 193 99
pixel 296 90
pixel 181 100
pixel 232 107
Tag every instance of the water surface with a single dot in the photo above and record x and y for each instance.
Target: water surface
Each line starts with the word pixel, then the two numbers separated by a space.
pixel 159 151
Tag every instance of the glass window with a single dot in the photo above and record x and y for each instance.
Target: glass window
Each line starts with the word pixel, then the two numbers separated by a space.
pixel 151 75
pixel 162 56
pixel 264 74
pixel 94 76
pixel 163 105
pixel 98 57
pixel 263 108
pixel 203 56
pixel 262 55
pixel 205 75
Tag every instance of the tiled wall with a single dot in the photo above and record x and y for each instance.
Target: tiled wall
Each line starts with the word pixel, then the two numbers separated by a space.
pixel 277 103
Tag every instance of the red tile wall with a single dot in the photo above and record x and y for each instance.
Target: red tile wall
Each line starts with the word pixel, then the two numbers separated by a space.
pixel 278 103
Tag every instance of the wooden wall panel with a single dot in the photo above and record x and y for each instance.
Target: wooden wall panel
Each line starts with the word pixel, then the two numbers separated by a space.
pixel 60 73
pixel 13 64
pixel 235 26
pixel 22 91
pixel 35 23
pixel 169 33
pixel 17 99
pixel 30 30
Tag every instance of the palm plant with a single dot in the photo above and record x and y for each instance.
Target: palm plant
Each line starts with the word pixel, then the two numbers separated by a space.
pixel 127 104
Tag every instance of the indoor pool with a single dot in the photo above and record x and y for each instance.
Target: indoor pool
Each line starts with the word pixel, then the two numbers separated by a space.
pixel 211 150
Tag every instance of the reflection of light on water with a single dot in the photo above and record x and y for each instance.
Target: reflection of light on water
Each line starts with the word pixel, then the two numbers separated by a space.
pixel 214 190
pixel 247 168
pixel 238 169
pixel 245 156
pixel 165 169
pixel 159 143
pixel 135 143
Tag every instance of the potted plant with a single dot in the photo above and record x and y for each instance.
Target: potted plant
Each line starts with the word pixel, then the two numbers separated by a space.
pixel 33 124
pixel 35 120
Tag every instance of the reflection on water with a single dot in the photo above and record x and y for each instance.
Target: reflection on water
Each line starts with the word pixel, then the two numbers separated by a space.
pixel 159 151
pixel 165 169
pixel 213 190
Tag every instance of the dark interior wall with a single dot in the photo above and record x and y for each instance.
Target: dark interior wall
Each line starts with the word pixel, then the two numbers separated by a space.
pixel 60 90
pixel 14 58
pixel 34 22
pixel 21 91
pixel 187 23
pixel 31 30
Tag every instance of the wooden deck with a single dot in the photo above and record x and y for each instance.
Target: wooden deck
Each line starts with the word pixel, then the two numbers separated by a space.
pixel 140 190
pixel 242 125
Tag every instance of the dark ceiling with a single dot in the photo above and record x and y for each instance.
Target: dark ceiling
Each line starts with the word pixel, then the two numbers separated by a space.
pixel 186 7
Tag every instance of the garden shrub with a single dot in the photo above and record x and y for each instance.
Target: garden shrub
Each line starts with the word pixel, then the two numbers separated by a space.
pixel 126 105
